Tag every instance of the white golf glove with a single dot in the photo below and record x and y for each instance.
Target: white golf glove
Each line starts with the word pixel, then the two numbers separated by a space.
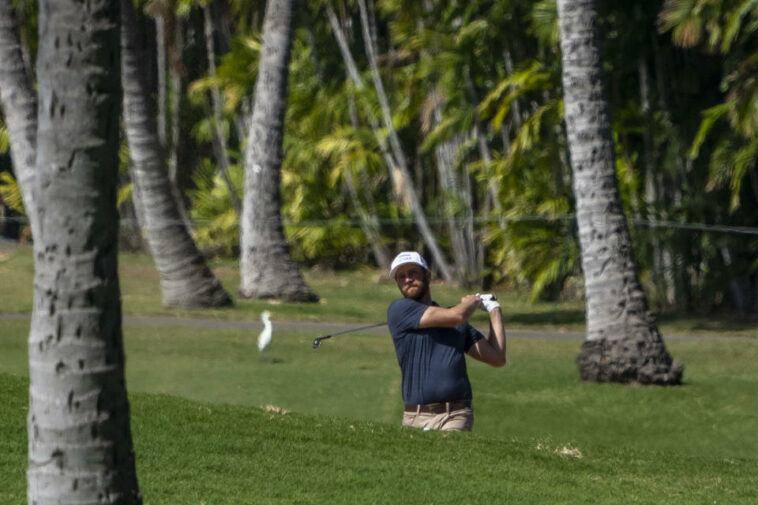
pixel 489 301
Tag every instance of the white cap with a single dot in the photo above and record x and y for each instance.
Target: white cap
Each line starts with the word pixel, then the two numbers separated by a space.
pixel 407 257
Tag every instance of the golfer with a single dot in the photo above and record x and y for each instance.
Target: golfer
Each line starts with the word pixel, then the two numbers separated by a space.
pixel 431 343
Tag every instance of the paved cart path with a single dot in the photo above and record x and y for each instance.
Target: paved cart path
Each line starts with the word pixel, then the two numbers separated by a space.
pixel 320 328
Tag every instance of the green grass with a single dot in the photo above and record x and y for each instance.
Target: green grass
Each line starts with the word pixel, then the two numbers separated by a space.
pixel 537 395
pixel 360 296
pixel 202 436
pixel 201 453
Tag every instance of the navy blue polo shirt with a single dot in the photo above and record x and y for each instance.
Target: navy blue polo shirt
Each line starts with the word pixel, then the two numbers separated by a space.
pixel 432 360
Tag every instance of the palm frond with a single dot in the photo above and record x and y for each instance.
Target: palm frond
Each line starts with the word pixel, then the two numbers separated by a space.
pixel 10 192
pixel 4 138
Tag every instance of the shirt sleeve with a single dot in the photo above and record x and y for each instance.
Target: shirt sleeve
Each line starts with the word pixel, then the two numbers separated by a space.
pixel 472 336
pixel 404 315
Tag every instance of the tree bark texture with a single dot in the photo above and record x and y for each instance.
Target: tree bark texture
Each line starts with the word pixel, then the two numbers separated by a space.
pixel 80 445
pixel 19 103
pixel 623 342
pixel 266 267
pixel 186 280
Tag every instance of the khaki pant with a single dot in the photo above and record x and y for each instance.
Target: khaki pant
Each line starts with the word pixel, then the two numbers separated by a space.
pixel 456 420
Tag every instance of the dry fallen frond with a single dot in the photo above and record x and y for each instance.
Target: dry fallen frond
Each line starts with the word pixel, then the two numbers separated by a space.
pixel 569 452
pixel 273 409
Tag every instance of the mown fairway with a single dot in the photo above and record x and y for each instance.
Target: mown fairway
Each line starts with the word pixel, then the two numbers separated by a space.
pixel 208 423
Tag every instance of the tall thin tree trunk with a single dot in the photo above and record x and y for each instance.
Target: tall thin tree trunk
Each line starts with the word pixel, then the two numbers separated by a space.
pixel 19 104
pixel 480 132
pixel 399 156
pixel 216 118
pixel 623 342
pixel 80 444
pixel 397 169
pixel 266 268
pixel 650 173
pixel 186 280
pixel 175 77
pixel 169 41
pixel 369 218
pixel 457 204
pixel 160 43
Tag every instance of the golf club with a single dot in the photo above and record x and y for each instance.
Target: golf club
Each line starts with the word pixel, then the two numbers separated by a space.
pixel 317 341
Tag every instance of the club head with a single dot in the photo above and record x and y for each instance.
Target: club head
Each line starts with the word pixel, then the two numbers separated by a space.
pixel 316 343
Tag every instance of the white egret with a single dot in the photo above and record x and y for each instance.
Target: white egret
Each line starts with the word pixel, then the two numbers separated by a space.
pixel 264 339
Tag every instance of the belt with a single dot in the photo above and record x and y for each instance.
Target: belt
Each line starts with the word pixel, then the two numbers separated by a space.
pixel 438 408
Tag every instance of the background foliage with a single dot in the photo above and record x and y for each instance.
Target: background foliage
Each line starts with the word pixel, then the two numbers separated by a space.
pixel 480 81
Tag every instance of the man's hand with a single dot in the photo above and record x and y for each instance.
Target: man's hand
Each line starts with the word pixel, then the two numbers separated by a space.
pixel 472 300
pixel 491 350
pixel 489 302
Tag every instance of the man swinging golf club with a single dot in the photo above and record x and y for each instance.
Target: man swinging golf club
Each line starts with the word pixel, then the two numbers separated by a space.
pixel 430 342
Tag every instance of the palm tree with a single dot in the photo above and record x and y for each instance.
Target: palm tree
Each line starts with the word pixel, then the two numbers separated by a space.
pixel 266 268
pixel 623 342
pixel 80 445
pixel 19 104
pixel 186 280
pixel 389 144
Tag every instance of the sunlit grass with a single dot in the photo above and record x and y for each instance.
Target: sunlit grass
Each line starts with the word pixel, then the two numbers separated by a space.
pixel 216 422
pixel 361 295
pixel 208 453
pixel 537 395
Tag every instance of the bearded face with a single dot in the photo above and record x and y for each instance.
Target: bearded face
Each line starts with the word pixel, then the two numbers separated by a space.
pixel 413 282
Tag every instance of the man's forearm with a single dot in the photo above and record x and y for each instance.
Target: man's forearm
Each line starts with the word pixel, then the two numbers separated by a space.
pixel 451 317
pixel 496 337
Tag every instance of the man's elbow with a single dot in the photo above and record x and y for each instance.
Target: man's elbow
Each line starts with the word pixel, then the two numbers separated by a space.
pixel 498 362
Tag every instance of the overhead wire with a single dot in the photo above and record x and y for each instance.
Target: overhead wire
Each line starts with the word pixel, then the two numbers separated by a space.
pixel 667 224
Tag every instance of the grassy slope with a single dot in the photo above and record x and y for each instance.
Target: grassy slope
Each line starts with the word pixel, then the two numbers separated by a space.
pixel 537 395
pixel 194 453
pixel 693 444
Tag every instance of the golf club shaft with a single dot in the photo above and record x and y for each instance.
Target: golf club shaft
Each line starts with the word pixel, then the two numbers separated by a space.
pixel 317 341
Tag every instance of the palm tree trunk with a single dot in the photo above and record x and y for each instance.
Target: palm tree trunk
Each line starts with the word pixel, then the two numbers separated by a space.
pixel 186 280
pixel 399 156
pixel 369 217
pixel 397 168
pixel 80 445
pixel 215 119
pixel 480 132
pixel 175 76
pixel 266 268
pixel 623 342
pixel 160 42
pixel 457 205
pixel 19 104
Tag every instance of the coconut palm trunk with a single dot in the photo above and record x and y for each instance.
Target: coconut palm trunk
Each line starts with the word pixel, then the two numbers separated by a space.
pixel 266 267
pixel 391 151
pixel 623 342
pixel 216 117
pixel 186 280
pixel 19 103
pixel 80 445
pixel 458 204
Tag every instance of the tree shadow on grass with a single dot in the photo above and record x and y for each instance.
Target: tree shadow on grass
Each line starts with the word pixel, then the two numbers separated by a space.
pixel 556 317
pixel 714 323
